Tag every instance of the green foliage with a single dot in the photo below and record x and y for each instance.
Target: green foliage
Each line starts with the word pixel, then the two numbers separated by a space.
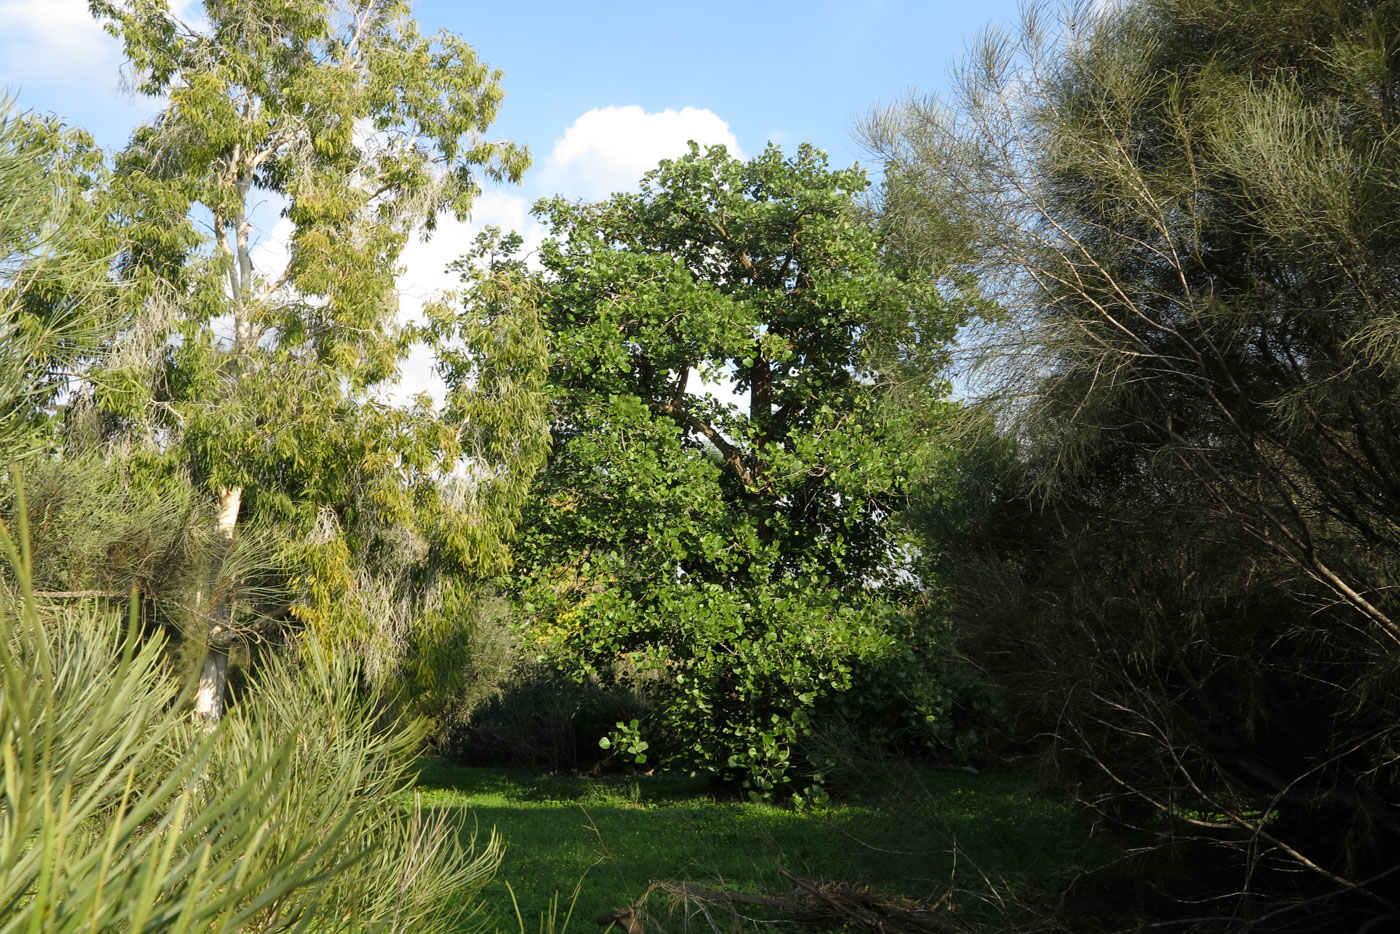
pixel 102 526
pixel 733 565
pixel 493 354
pixel 1184 548
pixel 263 374
pixel 392 869
pixel 54 306
pixel 117 813
pixel 469 647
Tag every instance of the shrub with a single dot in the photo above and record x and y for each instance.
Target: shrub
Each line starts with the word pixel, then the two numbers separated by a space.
pixel 118 814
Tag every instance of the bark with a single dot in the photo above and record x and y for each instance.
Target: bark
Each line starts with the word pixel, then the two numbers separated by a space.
pixel 760 395
pixel 242 325
pixel 761 411
pixel 213 677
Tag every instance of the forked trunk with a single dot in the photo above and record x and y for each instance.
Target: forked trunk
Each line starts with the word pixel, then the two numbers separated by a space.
pixel 213 677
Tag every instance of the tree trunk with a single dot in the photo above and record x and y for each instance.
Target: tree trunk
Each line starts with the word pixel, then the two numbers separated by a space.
pixel 209 699
pixel 213 677
pixel 761 411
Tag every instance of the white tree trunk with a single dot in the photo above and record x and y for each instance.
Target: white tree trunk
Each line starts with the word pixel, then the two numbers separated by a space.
pixel 213 677
pixel 209 698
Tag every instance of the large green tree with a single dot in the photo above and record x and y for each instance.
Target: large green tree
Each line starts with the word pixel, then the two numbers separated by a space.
pixel 1187 206
pixel 257 371
pixel 732 558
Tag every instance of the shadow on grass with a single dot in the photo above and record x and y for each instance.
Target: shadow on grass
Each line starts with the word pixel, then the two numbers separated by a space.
pixel 983 832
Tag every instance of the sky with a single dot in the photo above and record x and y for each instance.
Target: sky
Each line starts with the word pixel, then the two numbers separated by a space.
pixel 599 92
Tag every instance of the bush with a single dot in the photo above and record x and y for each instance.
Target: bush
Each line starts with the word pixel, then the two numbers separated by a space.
pixel 1185 580
pixel 734 682
pixel 118 814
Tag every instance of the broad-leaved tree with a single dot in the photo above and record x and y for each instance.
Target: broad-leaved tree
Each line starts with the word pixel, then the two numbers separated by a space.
pixel 713 526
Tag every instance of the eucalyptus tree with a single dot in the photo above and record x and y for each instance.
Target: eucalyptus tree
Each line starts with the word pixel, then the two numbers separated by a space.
pixel 256 368
pixel 1187 208
pixel 733 557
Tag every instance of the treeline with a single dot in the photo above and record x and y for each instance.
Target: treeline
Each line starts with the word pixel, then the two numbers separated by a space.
pixel 1170 533
pixel 1069 442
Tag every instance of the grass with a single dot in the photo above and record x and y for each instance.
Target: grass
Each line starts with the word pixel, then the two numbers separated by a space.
pixel 986 833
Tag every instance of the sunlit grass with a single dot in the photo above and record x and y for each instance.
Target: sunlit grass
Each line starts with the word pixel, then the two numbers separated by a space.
pixel 620 833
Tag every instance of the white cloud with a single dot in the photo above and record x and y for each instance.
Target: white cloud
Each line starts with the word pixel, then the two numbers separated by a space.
pixel 55 57
pixel 56 42
pixel 425 276
pixel 608 149
pixel 272 249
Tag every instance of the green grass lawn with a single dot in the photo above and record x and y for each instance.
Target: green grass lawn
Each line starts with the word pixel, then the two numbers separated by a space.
pixel 619 833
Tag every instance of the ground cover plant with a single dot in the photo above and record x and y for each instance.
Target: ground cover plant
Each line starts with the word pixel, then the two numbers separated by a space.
pixel 931 832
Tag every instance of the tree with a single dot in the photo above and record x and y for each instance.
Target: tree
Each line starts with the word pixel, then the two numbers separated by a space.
pixel 1185 205
pixel 116 817
pixel 735 562
pixel 261 381
pixel 55 306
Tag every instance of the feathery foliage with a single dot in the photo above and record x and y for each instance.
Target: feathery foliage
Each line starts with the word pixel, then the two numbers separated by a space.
pixel 119 814
pixel 54 306
pixel 1187 209
pixel 261 373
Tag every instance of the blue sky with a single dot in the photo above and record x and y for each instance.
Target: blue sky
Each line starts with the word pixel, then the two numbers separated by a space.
pixel 778 70
pixel 772 69
pixel 598 91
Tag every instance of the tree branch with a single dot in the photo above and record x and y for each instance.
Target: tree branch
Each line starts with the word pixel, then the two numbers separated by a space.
pixel 733 457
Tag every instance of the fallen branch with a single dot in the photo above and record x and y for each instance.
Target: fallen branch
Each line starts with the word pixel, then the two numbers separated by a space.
pixel 823 906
